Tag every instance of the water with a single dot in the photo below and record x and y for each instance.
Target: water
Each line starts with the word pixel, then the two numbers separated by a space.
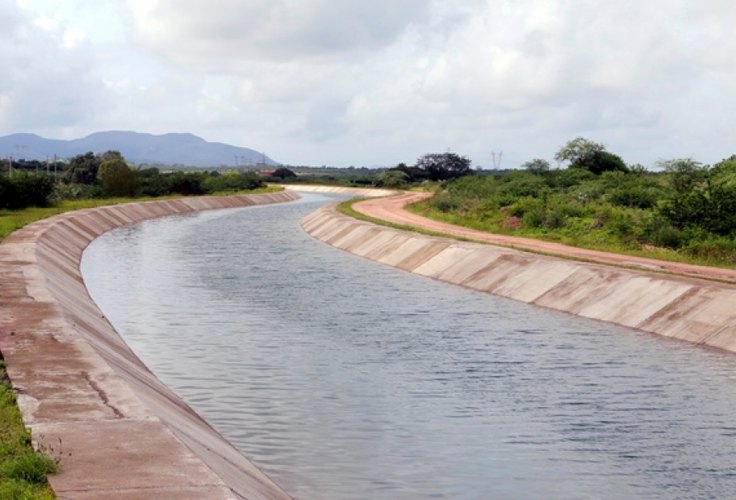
pixel 342 378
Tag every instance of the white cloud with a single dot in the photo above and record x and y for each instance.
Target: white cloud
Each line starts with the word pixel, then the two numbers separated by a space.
pixel 358 82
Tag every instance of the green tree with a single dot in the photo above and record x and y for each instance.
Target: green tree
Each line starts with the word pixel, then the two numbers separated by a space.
pixel 684 173
pixel 536 166
pixel 391 178
pixel 117 178
pixel 577 149
pixel 598 162
pixel 442 166
pixel 83 169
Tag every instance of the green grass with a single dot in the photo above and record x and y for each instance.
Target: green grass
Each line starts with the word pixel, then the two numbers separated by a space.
pixel 580 235
pixel 598 238
pixel 23 471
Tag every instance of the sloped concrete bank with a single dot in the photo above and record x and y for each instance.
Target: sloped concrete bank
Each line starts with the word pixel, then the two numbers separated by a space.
pixel 684 308
pixel 119 432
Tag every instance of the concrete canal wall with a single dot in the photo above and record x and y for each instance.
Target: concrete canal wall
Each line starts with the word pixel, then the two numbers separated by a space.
pixel 119 432
pixel 698 311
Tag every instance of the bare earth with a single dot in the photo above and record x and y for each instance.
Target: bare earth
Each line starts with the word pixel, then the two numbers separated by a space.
pixel 392 209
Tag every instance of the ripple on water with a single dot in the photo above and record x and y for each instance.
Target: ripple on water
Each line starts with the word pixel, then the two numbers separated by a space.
pixel 346 379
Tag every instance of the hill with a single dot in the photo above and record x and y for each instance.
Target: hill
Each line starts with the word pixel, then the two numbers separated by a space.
pixel 139 148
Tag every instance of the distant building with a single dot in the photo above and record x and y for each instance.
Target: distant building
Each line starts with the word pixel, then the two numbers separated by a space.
pixel 267 172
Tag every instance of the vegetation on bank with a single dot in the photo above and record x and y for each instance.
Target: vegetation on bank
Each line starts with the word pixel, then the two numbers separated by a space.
pixel 23 471
pixel 108 175
pixel 686 212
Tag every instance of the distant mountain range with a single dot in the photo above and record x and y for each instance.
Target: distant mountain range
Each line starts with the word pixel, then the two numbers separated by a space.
pixel 137 148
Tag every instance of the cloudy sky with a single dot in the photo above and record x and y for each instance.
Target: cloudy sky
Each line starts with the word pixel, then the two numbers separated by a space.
pixel 357 82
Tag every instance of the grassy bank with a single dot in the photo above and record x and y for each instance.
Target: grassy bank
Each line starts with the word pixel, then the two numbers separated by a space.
pixel 634 213
pixel 22 470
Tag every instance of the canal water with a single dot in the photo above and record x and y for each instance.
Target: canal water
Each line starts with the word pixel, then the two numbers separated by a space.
pixel 345 379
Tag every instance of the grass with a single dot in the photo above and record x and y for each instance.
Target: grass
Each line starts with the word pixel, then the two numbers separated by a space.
pixel 346 208
pixel 23 470
pixel 583 237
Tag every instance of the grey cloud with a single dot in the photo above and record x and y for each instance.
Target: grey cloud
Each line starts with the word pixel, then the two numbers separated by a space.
pixel 196 32
pixel 43 85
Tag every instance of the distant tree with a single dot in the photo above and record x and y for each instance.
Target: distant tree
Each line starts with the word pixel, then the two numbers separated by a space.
pixel 83 169
pixel 117 178
pixel 577 149
pixel 391 178
pixel 598 162
pixel 536 166
pixel 283 173
pixel 591 156
pixel 442 166
pixel 684 173
pixel 414 174
pixel 111 155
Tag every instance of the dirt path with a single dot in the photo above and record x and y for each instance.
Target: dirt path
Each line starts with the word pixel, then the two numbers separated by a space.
pixel 392 210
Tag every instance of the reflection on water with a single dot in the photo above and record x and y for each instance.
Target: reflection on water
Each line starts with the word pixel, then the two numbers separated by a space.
pixel 342 378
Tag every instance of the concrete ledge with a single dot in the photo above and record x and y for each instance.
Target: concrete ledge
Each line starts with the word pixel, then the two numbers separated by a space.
pixel 690 309
pixel 120 433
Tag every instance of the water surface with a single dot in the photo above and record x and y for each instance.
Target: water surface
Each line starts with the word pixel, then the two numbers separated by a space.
pixel 342 378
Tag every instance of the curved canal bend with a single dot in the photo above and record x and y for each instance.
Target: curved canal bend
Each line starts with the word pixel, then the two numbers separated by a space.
pixel 342 378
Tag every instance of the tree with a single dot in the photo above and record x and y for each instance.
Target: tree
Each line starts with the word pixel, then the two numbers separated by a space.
pixel 536 166
pixel 283 173
pixel 598 162
pixel 577 149
pixel 83 169
pixel 442 166
pixel 591 156
pixel 117 178
pixel 685 173
pixel 391 178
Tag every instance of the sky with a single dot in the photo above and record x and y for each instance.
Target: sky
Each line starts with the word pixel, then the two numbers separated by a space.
pixel 379 82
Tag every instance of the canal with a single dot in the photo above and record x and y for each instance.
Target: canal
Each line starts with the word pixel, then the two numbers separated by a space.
pixel 345 379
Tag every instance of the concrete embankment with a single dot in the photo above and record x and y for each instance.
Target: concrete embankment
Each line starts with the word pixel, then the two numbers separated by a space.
pixel 690 309
pixel 119 432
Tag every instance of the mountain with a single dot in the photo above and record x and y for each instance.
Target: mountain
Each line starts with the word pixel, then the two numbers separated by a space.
pixel 138 148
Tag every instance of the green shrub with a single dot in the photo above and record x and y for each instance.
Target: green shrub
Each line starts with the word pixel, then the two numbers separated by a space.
pixel 24 189
pixel 634 196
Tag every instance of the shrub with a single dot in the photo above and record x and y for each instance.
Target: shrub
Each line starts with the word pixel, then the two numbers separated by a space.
pixel 24 189
pixel 634 196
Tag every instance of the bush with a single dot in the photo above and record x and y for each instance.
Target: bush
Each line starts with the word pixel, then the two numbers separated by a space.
pixel 635 196
pixel 713 248
pixel 23 190
pixel 520 184
pixel 117 178
pixel 232 181
pixel 663 234
pixel 391 178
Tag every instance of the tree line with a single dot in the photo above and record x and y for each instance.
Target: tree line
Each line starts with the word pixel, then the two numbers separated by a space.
pixel 107 174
